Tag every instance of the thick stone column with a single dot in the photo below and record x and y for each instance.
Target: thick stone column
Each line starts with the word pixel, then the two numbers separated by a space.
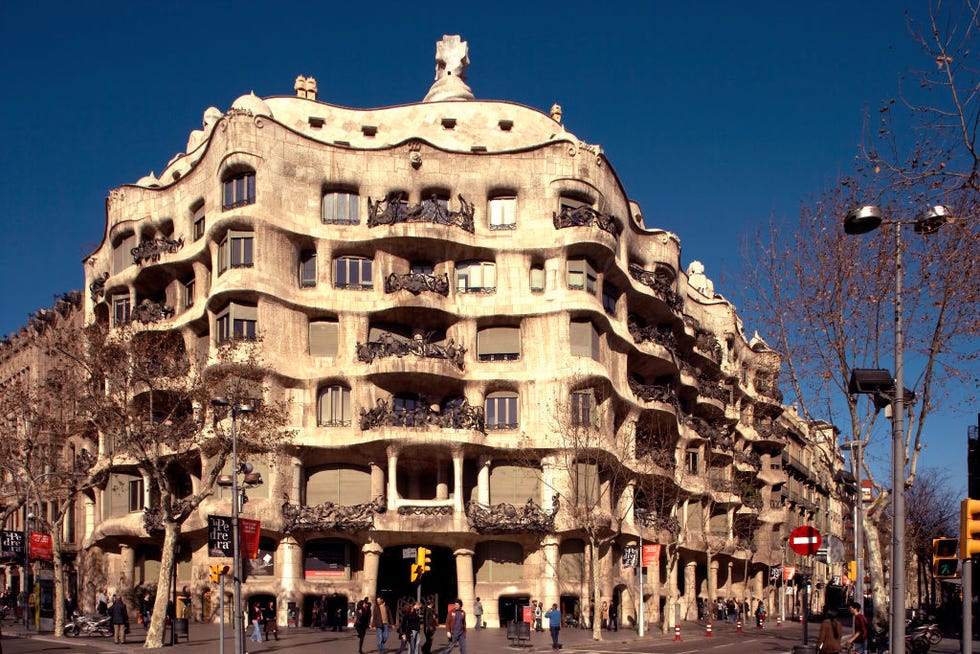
pixel 392 478
pixel 442 481
pixel 690 602
pixel 548 484
pixel 548 588
pixel 458 484
pixel 377 482
pixel 465 582
pixel 369 576
pixel 290 566
pixel 89 519
pixel 651 592
pixel 483 480
pixel 127 565
pixel 713 579
pixel 296 485
pixel 730 583
pixel 671 617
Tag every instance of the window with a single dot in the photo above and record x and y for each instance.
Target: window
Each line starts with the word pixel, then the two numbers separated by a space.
pixel 404 406
pixel 334 407
pixel 307 269
pixel 583 408
pixel 587 484
pixel 237 321
pixel 135 495
pixel 502 212
pixel 499 344
pixel 199 224
pixel 537 279
pixel 581 275
pixel 476 277
pixel 421 268
pixel 323 338
pixel 188 292
pixel 236 251
pixel 339 208
pixel 571 203
pixel 122 254
pixel 120 310
pixel 610 296
pixel 692 464
pixel 353 272
pixel 501 410
pixel 584 339
pixel 239 190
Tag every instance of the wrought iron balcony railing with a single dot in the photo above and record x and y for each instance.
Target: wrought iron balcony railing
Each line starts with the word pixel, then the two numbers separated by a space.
pixel 390 345
pixel 456 416
pixel 394 209
pixel 661 283
pixel 510 519
pixel 152 249
pixel 417 283
pixel 586 216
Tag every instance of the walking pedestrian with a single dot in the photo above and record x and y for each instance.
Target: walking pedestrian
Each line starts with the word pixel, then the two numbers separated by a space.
pixel 430 621
pixel 255 617
pixel 381 622
pixel 456 628
pixel 538 614
pixel 119 618
pixel 828 642
pixel 613 616
pixel 604 615
pixel 859 641
pixel 270 621
pixel 554 625
pixel 362 620
pixel 478 614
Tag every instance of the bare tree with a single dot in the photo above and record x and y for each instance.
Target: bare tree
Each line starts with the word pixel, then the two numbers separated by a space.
pixel 828 295
pixel 931 511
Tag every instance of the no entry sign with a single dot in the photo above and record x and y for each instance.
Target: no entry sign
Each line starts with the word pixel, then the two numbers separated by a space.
pixel 805 540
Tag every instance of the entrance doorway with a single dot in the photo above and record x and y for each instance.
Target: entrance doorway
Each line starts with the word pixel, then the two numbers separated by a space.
pixel 395 583
pixel 512 608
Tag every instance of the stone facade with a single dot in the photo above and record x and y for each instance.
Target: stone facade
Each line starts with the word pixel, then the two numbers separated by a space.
pixel 443 291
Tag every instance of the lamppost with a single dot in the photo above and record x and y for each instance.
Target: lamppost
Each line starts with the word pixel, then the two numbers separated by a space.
pixel 236 410
pixel 640 619
pixel 861 221
pixel 855 448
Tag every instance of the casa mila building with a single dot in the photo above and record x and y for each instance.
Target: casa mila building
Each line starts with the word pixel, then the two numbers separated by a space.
pixel 449 294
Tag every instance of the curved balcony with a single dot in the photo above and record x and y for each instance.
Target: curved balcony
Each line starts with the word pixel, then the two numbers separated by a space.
pixel 506 518
pixel 458 415
pixel 390 345
pixel 586 216
pixel 418 283
pixel 329 517
pixel 661 283
pixel 393 209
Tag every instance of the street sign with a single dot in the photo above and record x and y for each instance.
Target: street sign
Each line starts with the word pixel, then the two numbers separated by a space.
pixel 805 540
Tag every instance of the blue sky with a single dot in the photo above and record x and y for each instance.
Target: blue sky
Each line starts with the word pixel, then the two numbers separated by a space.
pixel 717 116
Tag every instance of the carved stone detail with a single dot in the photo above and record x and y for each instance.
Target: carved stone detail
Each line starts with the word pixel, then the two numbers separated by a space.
pixel 586 216
pixel 392 210
pixel 506 518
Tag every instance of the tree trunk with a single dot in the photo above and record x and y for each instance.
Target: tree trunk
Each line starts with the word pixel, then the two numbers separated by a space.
pixel 168 560
pixel 596 590
pixel 708 582
pixel 59 583
pixel 876 570
pixel 671 594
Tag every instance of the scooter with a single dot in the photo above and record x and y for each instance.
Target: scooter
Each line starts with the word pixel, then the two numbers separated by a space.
pixel 88 624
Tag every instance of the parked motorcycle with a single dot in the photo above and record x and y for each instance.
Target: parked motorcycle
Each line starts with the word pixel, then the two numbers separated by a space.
pixel 931 632
pixel 88 625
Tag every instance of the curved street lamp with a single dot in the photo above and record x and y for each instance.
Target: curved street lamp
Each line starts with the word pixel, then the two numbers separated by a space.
pixel 863 220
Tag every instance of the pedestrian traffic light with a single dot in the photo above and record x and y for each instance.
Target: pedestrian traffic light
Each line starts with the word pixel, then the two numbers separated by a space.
pixel 215 570
pixel 945 559
pixel 852 570
pixel 969 529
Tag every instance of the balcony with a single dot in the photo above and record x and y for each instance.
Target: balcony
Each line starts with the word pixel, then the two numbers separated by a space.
pixel 390 345
pixel 653 392
pixel 154 248
pixel 586 216
pixel 510 519
pixel 393 209
pixel 417 283
pixel 661 283
pixel 329 517
pixel 662 335
pixel 458 415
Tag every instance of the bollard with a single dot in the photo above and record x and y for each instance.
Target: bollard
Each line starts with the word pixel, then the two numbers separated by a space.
pixel 738 627
pixel 779 621
pixel 677 632
pixel 707 630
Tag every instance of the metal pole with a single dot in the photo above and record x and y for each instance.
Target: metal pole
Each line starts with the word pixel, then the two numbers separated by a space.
pixel 966 628
pixel 236 563
pixel 782 587
pixel 857 461
pixel 897 631
pixel 27 550
pixel 221 617
pixel 641 627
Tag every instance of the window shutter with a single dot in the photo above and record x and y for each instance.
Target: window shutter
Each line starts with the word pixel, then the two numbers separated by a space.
pixel 323 338
pixel 499 340
pixel 514 485
pixel 580 334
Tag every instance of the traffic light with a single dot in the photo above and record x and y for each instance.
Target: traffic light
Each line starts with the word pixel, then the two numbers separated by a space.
pixel 423 557
pixel 215 570
pixel 945 561
pixel 852 570
pixel 969 529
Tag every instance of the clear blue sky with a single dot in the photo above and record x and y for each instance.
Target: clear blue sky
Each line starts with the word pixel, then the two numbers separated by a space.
pixel 716 115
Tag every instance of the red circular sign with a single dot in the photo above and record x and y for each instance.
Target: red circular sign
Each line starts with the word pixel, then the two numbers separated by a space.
pixel 805 540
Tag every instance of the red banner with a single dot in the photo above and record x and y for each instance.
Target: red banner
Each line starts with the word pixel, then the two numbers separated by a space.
pixel 788 572
pixel 41 546
pixel 527 614
pixel 248 537
pixel 651 554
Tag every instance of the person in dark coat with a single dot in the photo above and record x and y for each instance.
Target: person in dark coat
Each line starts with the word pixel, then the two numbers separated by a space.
pixel 119 618
pixel 362 620
pixel 828 642
pixel 271 625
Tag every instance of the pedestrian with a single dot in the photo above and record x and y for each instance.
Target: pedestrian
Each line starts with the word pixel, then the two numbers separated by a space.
pixel 430 621
pixel 456 628
pixel 760 615
pixel 538 614
pixel 381 622
pixel 604 615
pixel 554 625
pixel 119 618
pixel 408 629
pixel 255 617
pixel 362 620
pixel 858 641
pixel 478 614
pixel 270 621
pixel 102 603
pixel 613 616
pixel 828 642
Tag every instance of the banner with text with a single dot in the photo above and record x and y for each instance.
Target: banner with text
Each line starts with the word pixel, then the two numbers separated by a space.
pixel 248 537
pixel 219 536
pixel 41 546
pixel 651 554
pixel 12 544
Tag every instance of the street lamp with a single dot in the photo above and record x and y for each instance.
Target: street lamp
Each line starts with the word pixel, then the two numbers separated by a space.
pixel 861 221
pixel 236 410
pixel 855 448
pixel 640 619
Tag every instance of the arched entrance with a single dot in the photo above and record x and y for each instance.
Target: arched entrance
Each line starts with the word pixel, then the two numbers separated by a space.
pixel 511 607
pixel 394 576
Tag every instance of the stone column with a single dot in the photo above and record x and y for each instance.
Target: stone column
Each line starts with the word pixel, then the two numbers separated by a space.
pixel 369 576
pixel 458 484
pixel 290 567
pixel 465 583
pixel 127 565
pixel 377 482
pixel 392 478
pixel 89 518
pixel 296 485
pixel 548 483
pixel 651 591
pixel 548 588
pixel 730 583
pixel 713 579
pixel 442 482
pixel 689 610
pixel 483 480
